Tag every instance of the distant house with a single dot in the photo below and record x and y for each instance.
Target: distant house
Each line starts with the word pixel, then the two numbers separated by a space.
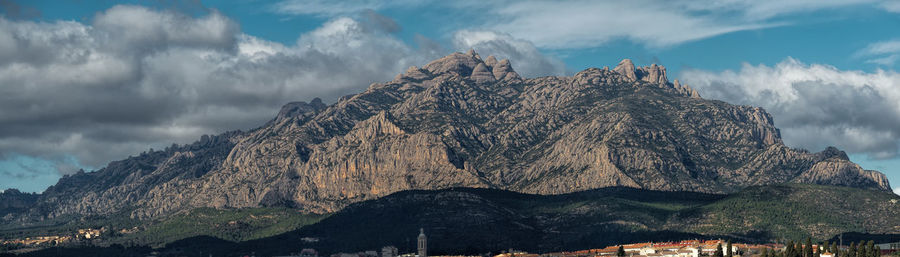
pixel 688 252
pixel 88 233
pixel 827 254
pixel 309 253
pixel 389 251
pixel 889 248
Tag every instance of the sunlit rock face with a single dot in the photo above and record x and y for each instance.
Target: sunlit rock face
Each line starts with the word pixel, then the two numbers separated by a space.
pixel 464 121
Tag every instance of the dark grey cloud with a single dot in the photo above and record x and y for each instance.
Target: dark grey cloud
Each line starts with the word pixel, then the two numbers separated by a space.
pixel 816 105
pixel 15 10
pixel 382 22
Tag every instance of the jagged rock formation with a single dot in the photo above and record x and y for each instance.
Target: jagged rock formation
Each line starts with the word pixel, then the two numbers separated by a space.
pixel 462 121
pixel 14 201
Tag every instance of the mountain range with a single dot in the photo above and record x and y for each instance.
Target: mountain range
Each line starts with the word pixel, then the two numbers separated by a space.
pixel 459 121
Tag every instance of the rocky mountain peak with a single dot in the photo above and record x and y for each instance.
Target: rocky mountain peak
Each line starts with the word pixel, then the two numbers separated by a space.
pixel 300 109
pixel 413 73
pixel 833 152
pixel 458 63
pixel 490 61
pixel 504 71
pixel 471 65
pixel 626 68
pixel 653 74
pixel 481 74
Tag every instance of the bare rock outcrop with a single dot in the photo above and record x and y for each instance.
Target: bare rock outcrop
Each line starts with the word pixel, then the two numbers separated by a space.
pixel 481 74
pixel 626 68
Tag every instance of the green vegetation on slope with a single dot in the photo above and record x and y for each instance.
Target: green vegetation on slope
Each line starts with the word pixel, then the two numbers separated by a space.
pixel 797 211
pixel 227 224
pixel 465 220
pixel 230 224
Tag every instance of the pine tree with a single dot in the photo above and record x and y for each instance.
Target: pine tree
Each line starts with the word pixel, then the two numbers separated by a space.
pixel 861 249
pixel 870 249
pixel 800 249
pixel 807 250
pixel 730 251
pixel 851 251
pixel 789 249
pixel 621 251
pixel 718 251
pixel 825 247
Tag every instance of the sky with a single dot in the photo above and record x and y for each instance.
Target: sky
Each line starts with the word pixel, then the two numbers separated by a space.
pixel 83 83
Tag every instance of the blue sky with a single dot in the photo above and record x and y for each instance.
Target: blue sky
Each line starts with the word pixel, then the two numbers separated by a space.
pixel 824 69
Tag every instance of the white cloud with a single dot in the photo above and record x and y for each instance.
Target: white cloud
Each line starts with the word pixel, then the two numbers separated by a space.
pixel 766 9
pixel 891 6
pixel 884 53
pixel 578 24
pixel 334 8
pixel 136 78
pixel 897 191
pixel 584 23
pixel 133 78
pixel 815 105
pixel 526 59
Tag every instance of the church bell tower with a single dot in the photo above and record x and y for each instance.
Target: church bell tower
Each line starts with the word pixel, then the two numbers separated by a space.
pixel 423 243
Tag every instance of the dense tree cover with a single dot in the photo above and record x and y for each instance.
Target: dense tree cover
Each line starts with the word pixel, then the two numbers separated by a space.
pixel 763 208
pixel 228 224
pixel 232 225
pixel 806 249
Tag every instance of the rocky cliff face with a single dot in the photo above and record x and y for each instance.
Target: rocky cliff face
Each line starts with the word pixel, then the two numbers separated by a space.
pixel 464 121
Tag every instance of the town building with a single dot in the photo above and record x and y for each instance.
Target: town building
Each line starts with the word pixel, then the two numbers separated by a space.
pixel 307 252
pixel 88 233
pixel 889 248
pixel 389 251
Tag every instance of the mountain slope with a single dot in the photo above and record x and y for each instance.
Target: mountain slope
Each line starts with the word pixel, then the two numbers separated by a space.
pixel 481 220
pixel 473 221
pixel 464 121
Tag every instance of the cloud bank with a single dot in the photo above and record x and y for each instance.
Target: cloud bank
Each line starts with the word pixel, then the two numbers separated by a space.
pixel 816 105
pixel 82 94
pixel 134 78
